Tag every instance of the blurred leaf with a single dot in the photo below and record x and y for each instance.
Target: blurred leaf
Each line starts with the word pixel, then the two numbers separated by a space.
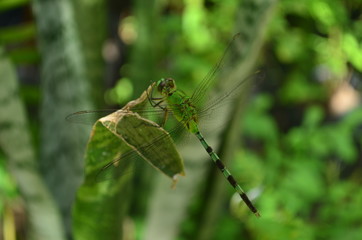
pixel 7 185
pixel 246 165
pixel 43 220
pixel 120 93
pixel 313 116
pixel 24 56
pixel 194 19
pixel 257 123
pixel 7 4
pixel 227 229
pixel 15 34
pixel 353 49
pixel 288 48
pixel 301 185
pixel 322 11
pixel 298 89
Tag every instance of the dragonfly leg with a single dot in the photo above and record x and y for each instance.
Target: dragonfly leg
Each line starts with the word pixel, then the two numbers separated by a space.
pixel 165 116
pixel 152 99
pixel 154 103
pixel 157 104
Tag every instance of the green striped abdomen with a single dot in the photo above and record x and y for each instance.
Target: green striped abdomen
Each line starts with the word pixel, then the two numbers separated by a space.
pixel 215 158
pixel 185 112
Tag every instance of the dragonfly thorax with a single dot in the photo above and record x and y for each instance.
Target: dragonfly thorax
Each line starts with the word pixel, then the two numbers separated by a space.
pixel 166 86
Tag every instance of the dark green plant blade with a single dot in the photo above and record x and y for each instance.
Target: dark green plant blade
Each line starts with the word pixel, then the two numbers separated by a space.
pixel 99 207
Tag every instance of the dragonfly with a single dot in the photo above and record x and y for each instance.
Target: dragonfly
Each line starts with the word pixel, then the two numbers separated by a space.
pixel 188 110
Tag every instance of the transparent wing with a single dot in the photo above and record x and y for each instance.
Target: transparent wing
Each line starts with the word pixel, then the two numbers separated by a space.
pixel 229 95
pixel 89 117
pixel 140 105
pixel 201 90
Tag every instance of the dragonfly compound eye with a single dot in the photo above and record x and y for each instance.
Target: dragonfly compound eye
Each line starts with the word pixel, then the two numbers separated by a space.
pixel 161 85
pixel 171 83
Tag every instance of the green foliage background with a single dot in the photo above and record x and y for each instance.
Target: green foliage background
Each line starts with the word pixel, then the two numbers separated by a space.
pixel 299 156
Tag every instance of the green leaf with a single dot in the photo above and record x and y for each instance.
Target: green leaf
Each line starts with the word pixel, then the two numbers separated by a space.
pixel 101 205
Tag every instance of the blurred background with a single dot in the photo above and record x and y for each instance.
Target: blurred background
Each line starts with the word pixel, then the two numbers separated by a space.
pixel 295 148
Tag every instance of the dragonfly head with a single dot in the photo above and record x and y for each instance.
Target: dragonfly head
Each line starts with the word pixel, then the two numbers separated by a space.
pixel 166 86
